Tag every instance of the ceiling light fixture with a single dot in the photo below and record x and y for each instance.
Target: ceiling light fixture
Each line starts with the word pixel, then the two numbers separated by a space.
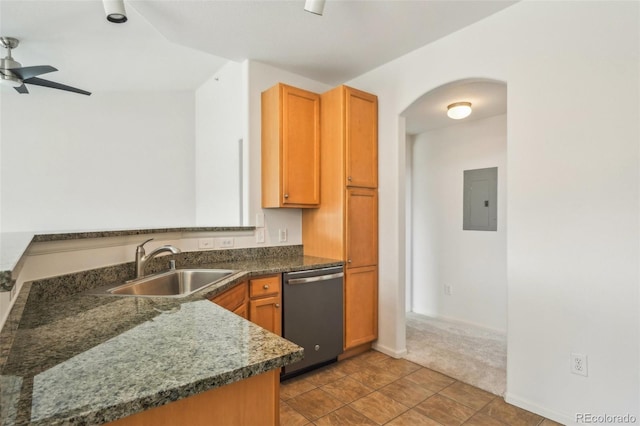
pixel 115 11
pixel 459 110
pixel 314 6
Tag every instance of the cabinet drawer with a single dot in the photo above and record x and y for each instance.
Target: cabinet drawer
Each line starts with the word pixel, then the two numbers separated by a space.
pixel 264 286
pixel 233 298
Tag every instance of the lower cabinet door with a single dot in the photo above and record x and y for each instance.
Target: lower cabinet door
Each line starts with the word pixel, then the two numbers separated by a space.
pixel 266 313
pixel 360 306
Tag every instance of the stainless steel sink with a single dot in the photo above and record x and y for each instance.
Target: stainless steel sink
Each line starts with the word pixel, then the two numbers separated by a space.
pixel 174 283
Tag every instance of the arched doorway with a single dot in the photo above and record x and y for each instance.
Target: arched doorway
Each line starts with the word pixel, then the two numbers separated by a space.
pixel 456 288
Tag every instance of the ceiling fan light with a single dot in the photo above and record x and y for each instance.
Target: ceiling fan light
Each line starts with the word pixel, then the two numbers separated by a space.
pixel 314 6
pixel 115 11
pixel 10 80
pixel 459 110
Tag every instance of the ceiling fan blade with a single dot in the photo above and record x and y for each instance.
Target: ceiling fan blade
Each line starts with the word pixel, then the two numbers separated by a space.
pixel 21 89
pixel 46 83
pixel 27 72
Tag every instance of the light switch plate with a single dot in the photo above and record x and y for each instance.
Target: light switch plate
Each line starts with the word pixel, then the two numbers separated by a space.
pixel 260 235
pixel 205 243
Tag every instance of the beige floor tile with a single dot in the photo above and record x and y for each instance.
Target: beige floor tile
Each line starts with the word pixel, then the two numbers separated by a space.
pixel 480 419
pixel 406 392
pixel 290 417
pixel 374 376
pixel 467 395
pixel 372 357
pixel 325 375
pixel 314 404
pixel 444 410
pixel 547 422
pixel 412 418
pixel 430 379
pixel 347 389
pixel 348 366
pixel 510 414
pixel 401 367
pixel 294 387
pixel 378 407
pixel 345 416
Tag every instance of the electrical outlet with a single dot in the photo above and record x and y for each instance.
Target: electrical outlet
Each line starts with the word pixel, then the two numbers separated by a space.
pixel 282 235
pixel 226 242
pixel 205 243
pixel 13 292
pixel 579 364
pixel 447 289
pixel 260 235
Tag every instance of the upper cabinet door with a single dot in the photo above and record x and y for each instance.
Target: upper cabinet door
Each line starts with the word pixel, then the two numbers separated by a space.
pixel 300 147
pixel 361 119
pixel 290 147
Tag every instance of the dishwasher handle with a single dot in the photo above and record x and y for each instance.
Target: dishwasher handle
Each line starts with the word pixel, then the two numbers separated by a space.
pixel 294 281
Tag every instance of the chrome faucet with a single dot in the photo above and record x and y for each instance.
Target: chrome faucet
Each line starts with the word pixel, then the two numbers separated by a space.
pixel 142 258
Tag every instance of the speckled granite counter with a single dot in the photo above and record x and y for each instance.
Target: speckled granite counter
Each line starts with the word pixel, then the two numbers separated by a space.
pixel 73 358
pixel 14 244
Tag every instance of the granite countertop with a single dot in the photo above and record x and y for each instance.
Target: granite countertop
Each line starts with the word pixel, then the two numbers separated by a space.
pixel 13 245
pixel 69 357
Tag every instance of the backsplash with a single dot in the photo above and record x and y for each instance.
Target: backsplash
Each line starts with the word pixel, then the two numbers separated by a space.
pixel 65 285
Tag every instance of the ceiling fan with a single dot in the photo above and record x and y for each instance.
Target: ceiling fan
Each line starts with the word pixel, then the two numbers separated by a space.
pixel 14 74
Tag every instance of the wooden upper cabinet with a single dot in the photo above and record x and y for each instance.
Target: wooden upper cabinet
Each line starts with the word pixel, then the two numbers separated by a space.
pixel 361 133
pixel 290 147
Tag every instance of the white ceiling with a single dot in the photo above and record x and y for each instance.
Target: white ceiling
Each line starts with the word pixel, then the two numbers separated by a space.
pixel 177 45
pixel 429 112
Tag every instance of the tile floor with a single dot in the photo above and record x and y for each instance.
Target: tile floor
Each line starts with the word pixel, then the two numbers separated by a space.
pixel 374 389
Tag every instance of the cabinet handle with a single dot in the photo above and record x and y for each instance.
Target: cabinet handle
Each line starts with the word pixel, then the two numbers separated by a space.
pixel 286 195
pixel 349 261
pixel 277 305
pixel 349 178
pixel 266 287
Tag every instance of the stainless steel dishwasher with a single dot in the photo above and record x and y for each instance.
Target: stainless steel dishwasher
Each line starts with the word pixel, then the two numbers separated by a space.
pixel 312 316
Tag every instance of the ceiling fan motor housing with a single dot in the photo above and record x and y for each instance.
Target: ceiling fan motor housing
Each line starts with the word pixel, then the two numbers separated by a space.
pixel 6 64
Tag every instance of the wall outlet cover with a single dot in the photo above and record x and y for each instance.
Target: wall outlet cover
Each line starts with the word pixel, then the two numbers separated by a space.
pixel 225 242
pixel 260 235
pixel 579 364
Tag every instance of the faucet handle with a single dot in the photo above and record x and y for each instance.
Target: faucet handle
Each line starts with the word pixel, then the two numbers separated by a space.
pixel 140 248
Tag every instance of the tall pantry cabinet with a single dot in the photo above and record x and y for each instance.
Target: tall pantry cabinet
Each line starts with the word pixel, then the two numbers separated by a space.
pixel 345 226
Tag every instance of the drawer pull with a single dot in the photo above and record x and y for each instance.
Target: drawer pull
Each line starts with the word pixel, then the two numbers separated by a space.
pixel 266 287
pixel 277 305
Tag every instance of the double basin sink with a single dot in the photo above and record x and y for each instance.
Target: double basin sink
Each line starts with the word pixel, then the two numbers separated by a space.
pixel 173 283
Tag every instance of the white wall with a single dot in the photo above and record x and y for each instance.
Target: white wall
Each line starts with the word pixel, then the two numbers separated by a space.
pixel 111 160
pixel 219 126
pixel 572 193
pixel 260 77
pixel 473 263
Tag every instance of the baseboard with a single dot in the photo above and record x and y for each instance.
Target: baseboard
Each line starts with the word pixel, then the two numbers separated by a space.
pixel 535 408
pixel 389 351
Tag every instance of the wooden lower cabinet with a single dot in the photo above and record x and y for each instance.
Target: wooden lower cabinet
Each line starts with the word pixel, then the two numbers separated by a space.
pixel 252 401
pixel 258 300
pixel 236 300
pixel 360 306
pixel 265 301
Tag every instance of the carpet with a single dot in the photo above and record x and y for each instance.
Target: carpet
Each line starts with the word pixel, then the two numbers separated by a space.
pixel 473 355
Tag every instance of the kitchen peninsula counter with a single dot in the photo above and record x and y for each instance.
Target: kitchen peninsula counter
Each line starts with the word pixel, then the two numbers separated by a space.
pixel 69 357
